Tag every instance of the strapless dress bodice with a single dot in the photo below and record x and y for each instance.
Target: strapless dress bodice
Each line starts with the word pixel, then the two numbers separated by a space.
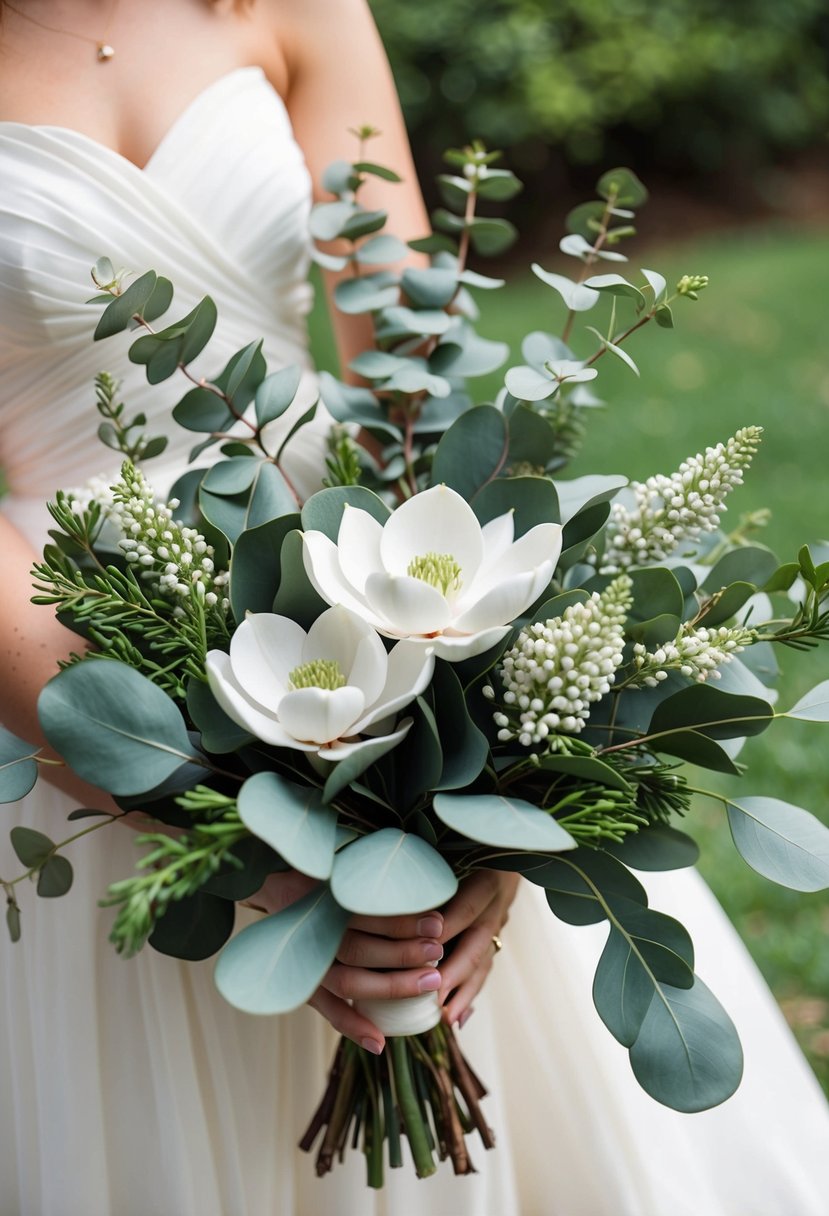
pixel 221 209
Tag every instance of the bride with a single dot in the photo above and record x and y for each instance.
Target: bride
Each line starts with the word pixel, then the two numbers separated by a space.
pixel 184 137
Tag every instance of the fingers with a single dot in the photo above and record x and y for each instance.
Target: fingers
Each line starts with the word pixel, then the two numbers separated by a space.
pixel 348 1021
pixel 358 984
pixel 473 953
pixel 424 924
pixel 474 897
pixel 359 949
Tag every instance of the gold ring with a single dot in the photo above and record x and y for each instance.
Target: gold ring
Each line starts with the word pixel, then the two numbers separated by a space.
pixel 497 943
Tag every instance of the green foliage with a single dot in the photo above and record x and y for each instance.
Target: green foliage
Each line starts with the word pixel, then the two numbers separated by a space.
pixel 275 965
pixel 139 735
pixel 702 81
pixel 391 873
pixel 18 766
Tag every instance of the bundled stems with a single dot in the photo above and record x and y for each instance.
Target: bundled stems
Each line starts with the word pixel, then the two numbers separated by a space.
pixel 421 1087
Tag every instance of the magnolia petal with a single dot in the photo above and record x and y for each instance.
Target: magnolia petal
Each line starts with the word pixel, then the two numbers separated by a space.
pixel 358 544
pixel 320 715
pixel 339 751
pixel 407 605
pixel 434 521
pixel 236 705
pixel 410 669
pixel 538 549
pixel 370 667
pixel 349 639
pixel 497 536
pixel 455 648
pixel 322 566
pixel 503 602
pixel 263 651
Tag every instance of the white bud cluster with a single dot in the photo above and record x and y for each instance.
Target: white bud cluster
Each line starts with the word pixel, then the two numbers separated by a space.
pixel 96 490
pixel 695 653
pixel 672 509
pixel 559 668
pixel 175 558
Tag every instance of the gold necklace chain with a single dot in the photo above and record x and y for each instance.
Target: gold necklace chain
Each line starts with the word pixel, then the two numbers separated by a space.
pixel 103 49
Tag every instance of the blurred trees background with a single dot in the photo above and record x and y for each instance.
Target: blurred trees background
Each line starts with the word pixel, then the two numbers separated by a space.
pixel 685 87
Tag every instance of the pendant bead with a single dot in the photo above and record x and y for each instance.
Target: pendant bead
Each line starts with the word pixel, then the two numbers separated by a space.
pixel 105 51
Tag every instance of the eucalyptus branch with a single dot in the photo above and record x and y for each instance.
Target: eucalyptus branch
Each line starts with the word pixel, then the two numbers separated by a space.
pixel 174 869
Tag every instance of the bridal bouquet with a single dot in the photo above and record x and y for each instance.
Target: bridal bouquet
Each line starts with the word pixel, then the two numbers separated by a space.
pixel 450 657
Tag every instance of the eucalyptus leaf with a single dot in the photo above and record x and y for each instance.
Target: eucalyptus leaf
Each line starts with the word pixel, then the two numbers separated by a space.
pixel 329 219
pixel 380 250
pixel 782 842
pixel 115 727
pixel 814 706
pixel 323 512
pixel 269 498
pixel 528 384
pixel 18 768
pixel 644 950
pixel 533 500
pixel 193 928
pixel 430 288
pixel 687 1054
pixel 116 316
pixel 391 873
pixel 256 565
pixel 31 847
pixel 464 747
pixel 657 847
pixel 292 820
pixel 353 766
pixel 508 823
pixel 491 236
pixel 54 877
pixel 367 293
pixel 401 322
pixel 219 733
pixel 623 187
pixel 615 285
pixel 296 598
pixel 581 885
pixel 276 393
pixel 276 964
pixel 576 296
pixel 472 451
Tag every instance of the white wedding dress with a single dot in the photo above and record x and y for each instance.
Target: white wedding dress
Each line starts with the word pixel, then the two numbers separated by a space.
pixel 129 1088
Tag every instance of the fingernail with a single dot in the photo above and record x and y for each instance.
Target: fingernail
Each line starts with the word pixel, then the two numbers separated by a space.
pixel 372 1045
pixel 430 926
pixel 432 952
pixel 464 1018
pixel 430 982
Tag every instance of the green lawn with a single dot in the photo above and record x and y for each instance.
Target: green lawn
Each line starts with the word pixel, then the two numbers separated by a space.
pixel 752 350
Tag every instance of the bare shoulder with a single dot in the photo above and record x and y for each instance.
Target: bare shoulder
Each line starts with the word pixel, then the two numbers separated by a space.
pixel 321 31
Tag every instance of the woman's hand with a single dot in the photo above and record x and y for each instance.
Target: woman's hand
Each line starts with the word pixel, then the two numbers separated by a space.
pixel 475 916
pixel 390 957
pixel 380 957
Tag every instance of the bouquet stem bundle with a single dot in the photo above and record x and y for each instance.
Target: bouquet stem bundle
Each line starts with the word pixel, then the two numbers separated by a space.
pixel 422 1088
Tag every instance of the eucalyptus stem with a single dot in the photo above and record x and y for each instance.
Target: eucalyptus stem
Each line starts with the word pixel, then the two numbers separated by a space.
pixel 410 1108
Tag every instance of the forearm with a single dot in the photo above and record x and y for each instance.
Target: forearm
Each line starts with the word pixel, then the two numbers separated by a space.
pixel 32 641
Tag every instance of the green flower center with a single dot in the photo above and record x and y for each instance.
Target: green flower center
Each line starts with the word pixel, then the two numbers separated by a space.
pixel 438 569
pixel 319 673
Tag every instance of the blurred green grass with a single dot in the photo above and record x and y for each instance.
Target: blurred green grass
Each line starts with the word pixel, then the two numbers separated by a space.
pixel 753 349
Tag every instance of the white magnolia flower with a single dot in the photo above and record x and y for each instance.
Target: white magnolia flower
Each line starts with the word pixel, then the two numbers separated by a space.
pixel 431 573
pixel 320 691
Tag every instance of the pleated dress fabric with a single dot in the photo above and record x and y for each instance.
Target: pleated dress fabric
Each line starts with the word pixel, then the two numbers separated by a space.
pixel 129 1088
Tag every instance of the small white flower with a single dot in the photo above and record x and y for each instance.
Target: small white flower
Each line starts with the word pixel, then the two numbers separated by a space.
pixel 668 510
pixel 432 574
pixel 332 691
pixel 558 668
pixel 694 653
